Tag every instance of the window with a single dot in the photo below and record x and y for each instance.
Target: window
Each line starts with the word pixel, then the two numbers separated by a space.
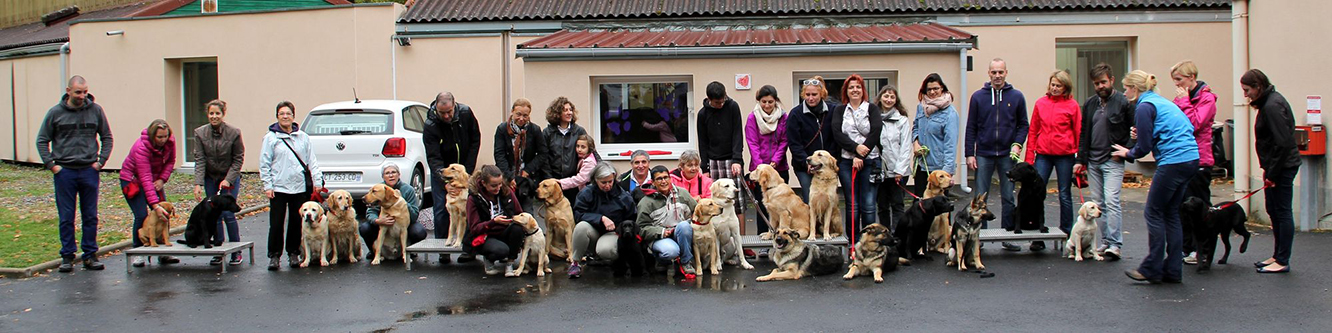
pixel 198 86
pixel 1078 58
pixel 873 81
pixel 413 118
pixel 348 122
pixel 643 113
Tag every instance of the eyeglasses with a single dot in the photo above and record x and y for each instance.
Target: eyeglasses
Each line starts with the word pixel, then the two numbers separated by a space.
pixel 662 178
pixel 934 89
pixel 811 82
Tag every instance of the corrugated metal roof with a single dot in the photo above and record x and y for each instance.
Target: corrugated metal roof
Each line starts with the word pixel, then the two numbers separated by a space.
pixel 745 35
pixel 522 10
pixel 39 33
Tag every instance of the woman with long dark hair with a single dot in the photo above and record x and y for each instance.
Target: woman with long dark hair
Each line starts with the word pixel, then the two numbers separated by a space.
pixel 1274 140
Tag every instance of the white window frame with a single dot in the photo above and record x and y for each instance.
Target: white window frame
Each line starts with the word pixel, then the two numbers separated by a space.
pixel 676 148
pixel 1078 44
pixel 184 142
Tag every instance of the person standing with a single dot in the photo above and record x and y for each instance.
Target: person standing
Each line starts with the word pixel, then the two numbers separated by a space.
pixel 765 132
pixel 1056 125
pixel 1198 102
pixel 858 124
pixel 74 143
pixel 808 129
pixel 895 152
pixel 1165 132
pixel 1274 141
pixel 143 178
pixel 219 154
pixel 561 134
pixel 289 171
pixel 935 131
pixel 721 139
pixel 996 129
pixel 451 136
pixel 1107 119
pixel 520 150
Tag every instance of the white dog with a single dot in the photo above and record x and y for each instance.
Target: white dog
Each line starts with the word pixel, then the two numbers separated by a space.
pixel 1082 239
pixel 314 232
pixel 534 248
pixel 724 193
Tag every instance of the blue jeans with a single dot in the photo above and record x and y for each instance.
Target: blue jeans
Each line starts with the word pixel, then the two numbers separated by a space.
pixel 861 191
pixel 439 193
pixel 679 245
pixel 988 166
pixel 804 178
pixel 71 186
pixel 228 218
pixel 1063 164
pixel 1104 180
pixel 139 207
pixel 1279 211
pixel 1165 232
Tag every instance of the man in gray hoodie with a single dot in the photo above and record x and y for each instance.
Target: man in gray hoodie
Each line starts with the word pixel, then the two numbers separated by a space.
pixel 68 144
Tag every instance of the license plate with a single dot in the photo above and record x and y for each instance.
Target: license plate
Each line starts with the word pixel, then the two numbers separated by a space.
pixel 342 177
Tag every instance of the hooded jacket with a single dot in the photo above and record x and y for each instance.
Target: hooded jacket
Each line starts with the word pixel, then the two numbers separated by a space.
pixel 1200 107
pixel 69 136
pixel 1274 133
pixel 219 153
pixel 456 141
pixel 699 187
pixel 146 164
pixel 279 168
pixel 1056 126
pixel 592 203
pixel 996 119
pixel 895 143
pixel 667 209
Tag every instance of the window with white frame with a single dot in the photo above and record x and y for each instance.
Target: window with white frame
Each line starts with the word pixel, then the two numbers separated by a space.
pixel 649 113
pixel 834 80
pixel 1079 56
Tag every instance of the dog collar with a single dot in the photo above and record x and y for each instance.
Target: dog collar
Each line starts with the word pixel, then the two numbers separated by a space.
pixel 534 231
pixel 696 222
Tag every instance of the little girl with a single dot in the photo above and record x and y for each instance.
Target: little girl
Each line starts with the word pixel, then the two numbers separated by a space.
pixel 587 158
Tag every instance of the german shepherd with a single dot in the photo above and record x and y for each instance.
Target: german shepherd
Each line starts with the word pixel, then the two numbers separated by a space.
pixel 876 252
pixel 966 234
pixel 795 259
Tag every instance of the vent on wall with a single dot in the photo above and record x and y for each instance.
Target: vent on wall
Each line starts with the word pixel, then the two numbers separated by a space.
pixel 208 6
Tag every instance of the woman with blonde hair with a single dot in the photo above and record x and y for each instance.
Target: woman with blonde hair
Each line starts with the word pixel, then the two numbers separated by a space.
pixel 1052 139
pixel 808 128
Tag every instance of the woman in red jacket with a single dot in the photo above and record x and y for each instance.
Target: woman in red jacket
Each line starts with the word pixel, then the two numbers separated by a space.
pixel 143 177
pixel 1052 141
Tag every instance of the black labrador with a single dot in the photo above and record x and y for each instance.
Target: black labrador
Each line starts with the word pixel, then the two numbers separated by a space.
pixel 1208 223
pixel 914 229
pixel 203 220
pixel 1030 210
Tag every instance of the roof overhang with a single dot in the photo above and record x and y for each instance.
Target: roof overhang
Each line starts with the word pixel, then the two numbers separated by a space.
pixel 743 51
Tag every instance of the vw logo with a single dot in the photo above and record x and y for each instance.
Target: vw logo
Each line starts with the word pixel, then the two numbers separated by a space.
pixel 341 145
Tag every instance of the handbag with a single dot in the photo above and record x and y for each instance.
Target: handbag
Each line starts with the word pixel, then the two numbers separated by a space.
pixel 131 190
pixel 309 179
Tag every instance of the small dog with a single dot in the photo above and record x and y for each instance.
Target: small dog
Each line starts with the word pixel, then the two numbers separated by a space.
pixel 633 255
pixel 1030 209
pixel 966 234
pixel 705 249
pixel 155 230
pixel 342 227
pixel 915 226
pixel 390 203
pixel 314 232
pixel 940 231
pixel 785 208
pixel 559 218
pixel 455 179
pixel 876 252
pixel 825 212
pixel 1209 222
pixel 724 192
pixel 534 248
pixel 202 225
pixel 796 259
pixel 1083 237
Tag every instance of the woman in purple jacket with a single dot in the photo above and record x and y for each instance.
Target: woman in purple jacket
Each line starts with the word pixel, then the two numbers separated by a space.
pixel 143 177
pixel 765 132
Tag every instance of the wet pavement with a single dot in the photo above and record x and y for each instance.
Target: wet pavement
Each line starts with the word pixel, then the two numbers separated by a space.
pixel 1030 292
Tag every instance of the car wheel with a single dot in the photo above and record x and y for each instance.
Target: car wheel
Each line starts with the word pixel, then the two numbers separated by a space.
pixel 418 180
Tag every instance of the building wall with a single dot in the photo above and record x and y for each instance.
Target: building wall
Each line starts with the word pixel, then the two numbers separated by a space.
pixel 28 87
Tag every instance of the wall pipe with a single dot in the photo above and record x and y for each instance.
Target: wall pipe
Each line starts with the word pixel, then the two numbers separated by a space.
pixel 1239 33
pixel 64 66
pixel 962 123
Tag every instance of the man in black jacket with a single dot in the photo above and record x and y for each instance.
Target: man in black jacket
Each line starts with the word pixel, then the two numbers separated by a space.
pixel 1106 120
pixel 69 146
pixel 632 181
pixel 451 136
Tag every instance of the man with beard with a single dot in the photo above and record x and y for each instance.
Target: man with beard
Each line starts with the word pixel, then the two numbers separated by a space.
pixel 1108 116
pixel 68 144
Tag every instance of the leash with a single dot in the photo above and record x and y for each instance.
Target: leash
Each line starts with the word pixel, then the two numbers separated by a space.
pixel 1246 196
pixel 854 229
pixel 758 210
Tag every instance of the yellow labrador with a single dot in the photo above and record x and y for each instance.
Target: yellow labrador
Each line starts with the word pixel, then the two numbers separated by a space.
pixel 705 236
pixel 785 209
pixel 534 248
pixel 390 203
pixel 559 218
pixel 456 180
pixel 941 231
pixel 724 192
pixel 314 232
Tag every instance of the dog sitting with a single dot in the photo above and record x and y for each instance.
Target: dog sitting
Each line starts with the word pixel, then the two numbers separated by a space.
pixel 455 179
pixel 1030 210
pixel 724 192
pixel 966 234
pixel 202 225
pixel 912 232
pixel 876 252
pixel 391 204
pixel 633 255
pixel 941 230
pixel 155 229
pixel 796 259
pixel 314 232
pixel 534 248
pixel 559 218
pixel 1210 222
pixel 706 251
pixel 342 227
pixel 824 210
pixel 1084 235
pixel 785 208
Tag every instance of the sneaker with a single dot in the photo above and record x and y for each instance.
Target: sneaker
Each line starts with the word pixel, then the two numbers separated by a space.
pixel 1011 247
pixel 575 270
pixel 466 258
pixel 236 259
pixel 274 263
pixel 294 260
pixel 1037 246
pixel 686 269
pixel 137 262
pixel 66 264
pixel 491 267
pixel 1101 249
pixel 167 260
pixel 92 264
pixel 762 253
pixel 750 254
pixel 216 261
pixel 1112 254
pixel 445 259
pixel 1192 259
pixel 509 267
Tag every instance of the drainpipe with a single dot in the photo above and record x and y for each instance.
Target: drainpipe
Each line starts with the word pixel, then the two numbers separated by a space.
pixel 962 120
pixel 1239 34
pixel 64 65
pixel 393 64
pixel 507 59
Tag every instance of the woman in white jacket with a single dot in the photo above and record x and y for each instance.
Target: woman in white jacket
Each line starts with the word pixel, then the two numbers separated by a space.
pixel 283 162
pixel 895 152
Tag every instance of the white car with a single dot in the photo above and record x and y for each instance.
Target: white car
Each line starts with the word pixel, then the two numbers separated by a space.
pixel 354 140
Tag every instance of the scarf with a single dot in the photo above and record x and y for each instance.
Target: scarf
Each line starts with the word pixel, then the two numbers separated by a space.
pixel 932 105
pixel 519 135
pixel 767 123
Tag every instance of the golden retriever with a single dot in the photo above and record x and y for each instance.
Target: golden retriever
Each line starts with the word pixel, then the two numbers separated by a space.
pixel 342 227
pixel 705 236
pixel 785 209
pixel 314 232
pixel 724 192
pixel 534 248
pixel 941 231
pixel 390 203
pixel 559 219
pixel 155 229
pixel 824 211
pixel 456 181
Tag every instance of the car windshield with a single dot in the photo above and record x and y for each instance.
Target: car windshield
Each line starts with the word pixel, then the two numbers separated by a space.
pixel 348 122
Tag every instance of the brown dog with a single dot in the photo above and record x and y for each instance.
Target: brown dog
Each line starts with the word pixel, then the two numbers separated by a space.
pixel 824 211
pixel 559 219
pixel 342 227
pixel 875 252
pixel 941 230
pixel 785 209
pixel 156 225
pixel 456 178
pixel 390 203
pixel 705 236
pixel 795 259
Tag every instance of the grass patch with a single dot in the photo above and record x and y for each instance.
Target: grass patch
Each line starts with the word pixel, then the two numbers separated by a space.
pixel 29 240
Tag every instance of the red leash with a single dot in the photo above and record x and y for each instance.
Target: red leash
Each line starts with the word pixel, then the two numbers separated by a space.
pixel 1246 196
pixel 852 232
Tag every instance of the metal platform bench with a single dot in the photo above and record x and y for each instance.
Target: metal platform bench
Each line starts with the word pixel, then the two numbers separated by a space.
pixel 179 250
pixel 753 241
pixel 1001 235
pixel 428 246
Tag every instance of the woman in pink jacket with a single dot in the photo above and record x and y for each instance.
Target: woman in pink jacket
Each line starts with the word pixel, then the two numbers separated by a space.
pixel 1052 141
pixel 765 132
pixel 143 177
pixel 1198 102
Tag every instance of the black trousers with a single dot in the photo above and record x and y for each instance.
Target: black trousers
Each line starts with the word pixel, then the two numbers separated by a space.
pixel 284 208
pixel 1198 186
pixel 891 205
pixel 506 246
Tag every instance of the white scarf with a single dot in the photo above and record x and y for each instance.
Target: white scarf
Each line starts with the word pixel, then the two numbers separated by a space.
pixel 767 122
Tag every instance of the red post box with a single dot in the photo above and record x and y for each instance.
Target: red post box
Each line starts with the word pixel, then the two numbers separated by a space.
pixel 1312 140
